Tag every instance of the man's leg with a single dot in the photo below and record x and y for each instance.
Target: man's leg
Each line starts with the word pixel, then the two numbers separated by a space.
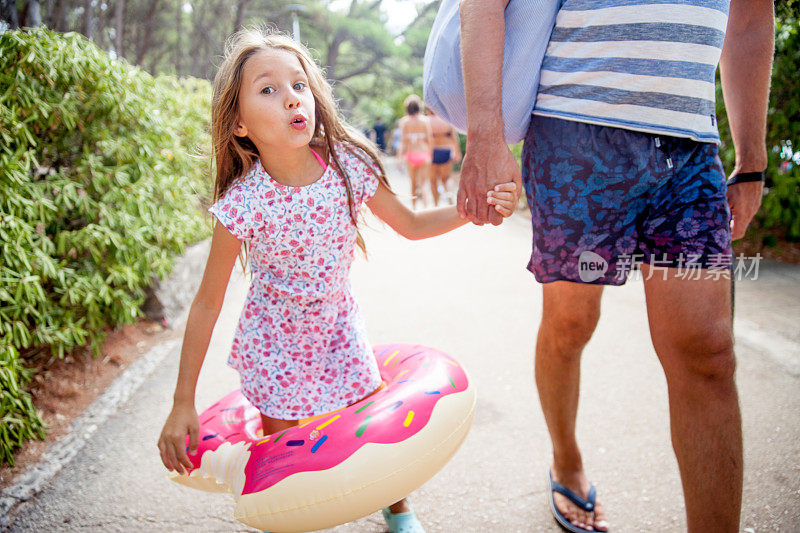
pixel 690 323
pixel 569 316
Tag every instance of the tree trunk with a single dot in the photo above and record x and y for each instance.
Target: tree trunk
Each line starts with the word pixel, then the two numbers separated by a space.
pixel 240 6
pixel 147 28
pixel 119 26
pixel 48 9
pixel 8 13
pixel 333 55
pixel 33 14
pixel 88 18
pixel 58 17
pixel 178 20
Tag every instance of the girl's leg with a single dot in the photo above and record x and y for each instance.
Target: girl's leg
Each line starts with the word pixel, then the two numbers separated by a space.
pixel 412 173
pixel 274 425
pixel 400 507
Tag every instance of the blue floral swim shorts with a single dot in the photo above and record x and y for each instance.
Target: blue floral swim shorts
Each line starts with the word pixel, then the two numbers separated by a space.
pixel 604 198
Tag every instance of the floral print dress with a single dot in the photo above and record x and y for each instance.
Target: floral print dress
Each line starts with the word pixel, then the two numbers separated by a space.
pixel 300 347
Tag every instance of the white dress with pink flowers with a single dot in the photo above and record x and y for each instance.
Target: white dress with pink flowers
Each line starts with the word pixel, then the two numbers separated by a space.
pixel 300 347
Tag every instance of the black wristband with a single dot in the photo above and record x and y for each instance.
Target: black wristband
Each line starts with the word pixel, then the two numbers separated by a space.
pixel 744 177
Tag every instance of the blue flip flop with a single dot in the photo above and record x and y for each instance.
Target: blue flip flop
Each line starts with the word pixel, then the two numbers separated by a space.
pixel 585 504
pixel 402 522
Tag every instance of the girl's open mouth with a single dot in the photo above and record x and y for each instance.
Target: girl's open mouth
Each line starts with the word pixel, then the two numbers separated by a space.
pixel 299 123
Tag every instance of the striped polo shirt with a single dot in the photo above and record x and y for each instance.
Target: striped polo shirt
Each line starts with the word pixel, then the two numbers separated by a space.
pixel 645 65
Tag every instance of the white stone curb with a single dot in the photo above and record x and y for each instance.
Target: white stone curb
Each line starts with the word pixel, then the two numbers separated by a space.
pixel 176 292
pixel 82 428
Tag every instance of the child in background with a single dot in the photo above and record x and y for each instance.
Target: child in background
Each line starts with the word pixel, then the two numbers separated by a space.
pixel 291 177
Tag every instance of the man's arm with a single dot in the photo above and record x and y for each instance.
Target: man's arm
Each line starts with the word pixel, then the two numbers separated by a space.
pixel 745 70
pixel 487 161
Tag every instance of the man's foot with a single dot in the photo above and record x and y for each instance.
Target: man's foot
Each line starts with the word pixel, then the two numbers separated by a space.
pixel 583 512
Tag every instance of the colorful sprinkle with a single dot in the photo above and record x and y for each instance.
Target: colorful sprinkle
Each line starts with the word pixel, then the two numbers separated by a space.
pixel 229 409
pixel 329 421
pixel 453 383
pixel 364 407
pixel 281 435
pixel 229 421
pixel 409 418
pixel 210 436
pixel 363 427
pixel 391 357
pixel 262 441
pixel 404 381
pixel 409 357
pixel 207 420
pixel 401 373
pixel 432 392
pixel 318 444
pixel 446 360
pixel 395 405
pixel 294 443
pixel 233 435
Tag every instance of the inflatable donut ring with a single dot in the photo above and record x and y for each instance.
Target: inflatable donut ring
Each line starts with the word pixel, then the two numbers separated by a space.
pixel 339 467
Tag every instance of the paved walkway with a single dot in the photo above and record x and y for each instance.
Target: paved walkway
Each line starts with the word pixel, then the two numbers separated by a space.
pixel 469 294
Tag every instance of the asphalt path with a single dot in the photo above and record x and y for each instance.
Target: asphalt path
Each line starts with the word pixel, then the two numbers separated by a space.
pixel 468 293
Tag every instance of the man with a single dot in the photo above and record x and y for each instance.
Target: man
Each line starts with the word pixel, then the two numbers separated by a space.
pixel 620 162
pixel 380 133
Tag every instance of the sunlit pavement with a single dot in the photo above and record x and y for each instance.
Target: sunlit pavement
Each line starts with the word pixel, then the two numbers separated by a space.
pixel 468 293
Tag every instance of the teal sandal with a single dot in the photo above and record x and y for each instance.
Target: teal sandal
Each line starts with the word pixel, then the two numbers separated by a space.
pixel 402 522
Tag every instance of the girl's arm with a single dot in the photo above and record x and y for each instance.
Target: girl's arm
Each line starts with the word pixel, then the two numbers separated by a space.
pixel 417 225
pixel 200 324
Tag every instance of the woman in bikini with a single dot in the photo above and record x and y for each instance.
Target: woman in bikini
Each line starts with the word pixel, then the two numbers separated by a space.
pixel 446 150
pixel 416 142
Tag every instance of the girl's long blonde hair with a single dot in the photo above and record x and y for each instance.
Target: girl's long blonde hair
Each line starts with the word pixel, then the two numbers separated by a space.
pixel 234 156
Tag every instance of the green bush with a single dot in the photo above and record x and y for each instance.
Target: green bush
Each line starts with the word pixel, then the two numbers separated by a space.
pixel 780 210
pixel 99 189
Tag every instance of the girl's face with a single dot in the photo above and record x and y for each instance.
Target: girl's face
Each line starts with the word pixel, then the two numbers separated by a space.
pixel 276 105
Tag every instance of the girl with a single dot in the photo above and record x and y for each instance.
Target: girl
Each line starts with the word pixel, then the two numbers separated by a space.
pixel 416 142
pixel 290 179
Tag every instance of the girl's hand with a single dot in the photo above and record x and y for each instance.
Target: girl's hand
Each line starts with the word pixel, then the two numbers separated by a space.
pixel 504 198
pixel 181 421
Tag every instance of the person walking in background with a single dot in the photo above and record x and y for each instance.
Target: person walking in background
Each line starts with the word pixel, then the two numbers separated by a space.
pixel 380 134
pixel 446 150
pixel 416 142
pixel 290 180
pixel 621 162
pixel 396 137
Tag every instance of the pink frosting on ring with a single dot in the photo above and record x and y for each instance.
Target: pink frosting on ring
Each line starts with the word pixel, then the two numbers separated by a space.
pixel 417 377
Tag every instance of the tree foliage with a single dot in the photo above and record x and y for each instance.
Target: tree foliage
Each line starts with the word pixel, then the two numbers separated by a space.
pixel 780 211
pixel 372 68
pixel 99 191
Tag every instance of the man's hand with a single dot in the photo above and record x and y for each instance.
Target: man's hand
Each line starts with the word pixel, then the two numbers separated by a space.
pixel 486 163
pixel 744 200
pixel 745 67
